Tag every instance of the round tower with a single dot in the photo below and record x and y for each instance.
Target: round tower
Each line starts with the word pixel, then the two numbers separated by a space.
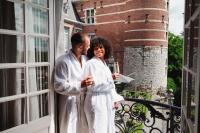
pixel 145 42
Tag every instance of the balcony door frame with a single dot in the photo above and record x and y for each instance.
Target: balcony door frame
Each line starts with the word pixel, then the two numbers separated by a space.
pixel 190 122
pixel 44 124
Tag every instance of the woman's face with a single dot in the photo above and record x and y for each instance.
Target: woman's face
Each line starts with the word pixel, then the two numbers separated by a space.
pixel 99 52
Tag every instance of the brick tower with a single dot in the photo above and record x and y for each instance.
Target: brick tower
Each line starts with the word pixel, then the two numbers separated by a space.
pixel 137 30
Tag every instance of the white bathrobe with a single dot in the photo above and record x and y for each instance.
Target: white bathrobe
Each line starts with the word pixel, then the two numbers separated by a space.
pixel 67 82
pixel 100 98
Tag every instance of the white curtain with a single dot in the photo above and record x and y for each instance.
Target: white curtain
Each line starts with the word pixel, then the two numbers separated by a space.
pixel 34 103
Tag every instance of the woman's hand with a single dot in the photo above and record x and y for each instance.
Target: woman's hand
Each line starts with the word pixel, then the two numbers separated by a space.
pixel 87 81
pixel 116 105
pixel 115 76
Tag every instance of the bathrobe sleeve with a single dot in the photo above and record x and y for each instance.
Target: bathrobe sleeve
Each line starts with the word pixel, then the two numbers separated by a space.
pixel 97 72
pixel 115 96
pixel 62 84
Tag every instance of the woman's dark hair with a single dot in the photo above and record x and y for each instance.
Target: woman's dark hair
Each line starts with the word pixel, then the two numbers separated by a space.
pixel 96 42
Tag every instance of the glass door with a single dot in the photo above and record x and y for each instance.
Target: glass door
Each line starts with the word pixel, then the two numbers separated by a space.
pixel 26 62
pixel 191 69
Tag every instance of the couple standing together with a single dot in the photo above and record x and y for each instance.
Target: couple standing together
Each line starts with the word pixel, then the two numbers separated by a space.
pixel 87 97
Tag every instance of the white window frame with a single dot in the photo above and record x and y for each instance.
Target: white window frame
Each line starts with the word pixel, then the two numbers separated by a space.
pixel 46 123
pixel 70 33
pixel 90 17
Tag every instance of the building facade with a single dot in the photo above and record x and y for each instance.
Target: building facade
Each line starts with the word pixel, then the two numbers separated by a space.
pixel 137 30
pixel 71 23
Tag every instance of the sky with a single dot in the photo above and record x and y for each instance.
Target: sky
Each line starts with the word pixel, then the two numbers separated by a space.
pixel 176 16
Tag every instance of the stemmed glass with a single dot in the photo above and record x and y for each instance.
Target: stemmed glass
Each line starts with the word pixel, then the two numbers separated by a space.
pixel 116 67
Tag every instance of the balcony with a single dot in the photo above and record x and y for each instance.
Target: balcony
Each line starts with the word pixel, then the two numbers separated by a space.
pixel 145 116
pixel 141 115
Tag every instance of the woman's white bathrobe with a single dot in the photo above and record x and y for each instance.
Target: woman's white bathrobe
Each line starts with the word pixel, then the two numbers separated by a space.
pixel 100 98
pixel 67 82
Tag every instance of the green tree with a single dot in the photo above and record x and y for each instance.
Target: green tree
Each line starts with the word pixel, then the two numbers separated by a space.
pixel 175 56
pixel 171 84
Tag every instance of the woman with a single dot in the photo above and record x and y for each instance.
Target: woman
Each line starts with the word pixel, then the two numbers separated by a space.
pixel 101 96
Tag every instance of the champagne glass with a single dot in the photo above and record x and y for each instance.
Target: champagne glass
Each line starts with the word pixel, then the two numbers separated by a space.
pixel 116 67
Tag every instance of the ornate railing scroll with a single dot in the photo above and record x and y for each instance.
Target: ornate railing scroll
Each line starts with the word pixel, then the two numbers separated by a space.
pixel 144 116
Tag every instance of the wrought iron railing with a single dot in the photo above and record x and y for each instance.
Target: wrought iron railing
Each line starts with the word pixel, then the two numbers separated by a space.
pixel 144 116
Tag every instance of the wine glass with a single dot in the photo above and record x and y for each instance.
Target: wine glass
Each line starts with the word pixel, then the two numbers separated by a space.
pixel 116 67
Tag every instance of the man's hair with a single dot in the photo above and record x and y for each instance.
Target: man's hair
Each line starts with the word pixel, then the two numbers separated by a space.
pixel 96 42
pixel 78 38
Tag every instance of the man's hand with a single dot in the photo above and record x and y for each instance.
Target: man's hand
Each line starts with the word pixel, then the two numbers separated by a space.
pixel 116 105
pixel 87 82
pixel 115 76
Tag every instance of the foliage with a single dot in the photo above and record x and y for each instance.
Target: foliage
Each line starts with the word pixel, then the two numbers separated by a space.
pixel 137 94
pixel 175 56
pixel 138 109
pixel 171 84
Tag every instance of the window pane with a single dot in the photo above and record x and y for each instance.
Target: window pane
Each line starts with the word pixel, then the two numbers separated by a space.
pixel 92 20
pixel 38 20
pixel 38 107
pixel 184 86
pixel 38 49
pixel 88 20
pixel 12 81
pixel 88 13
pixel 92 12
pixel 38 78
pixel 186 47
pixel 195 46
pixel 67 44
pixel 11 49
pixel 192 103
pixel 194 58
pixel 11 15
pixel 12 113
pixel 40 2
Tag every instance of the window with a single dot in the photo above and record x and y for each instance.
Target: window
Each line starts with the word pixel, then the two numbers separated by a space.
pixel 67 42
pixel 76 29
pixel 191 70
pixel 90 16
pixel 91 35
pixel 25 64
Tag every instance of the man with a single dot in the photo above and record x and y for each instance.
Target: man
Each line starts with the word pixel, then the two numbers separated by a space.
pixel 69 85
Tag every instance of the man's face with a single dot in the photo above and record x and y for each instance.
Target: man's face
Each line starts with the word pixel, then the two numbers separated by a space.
pixel 86 45
pixel 79 49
